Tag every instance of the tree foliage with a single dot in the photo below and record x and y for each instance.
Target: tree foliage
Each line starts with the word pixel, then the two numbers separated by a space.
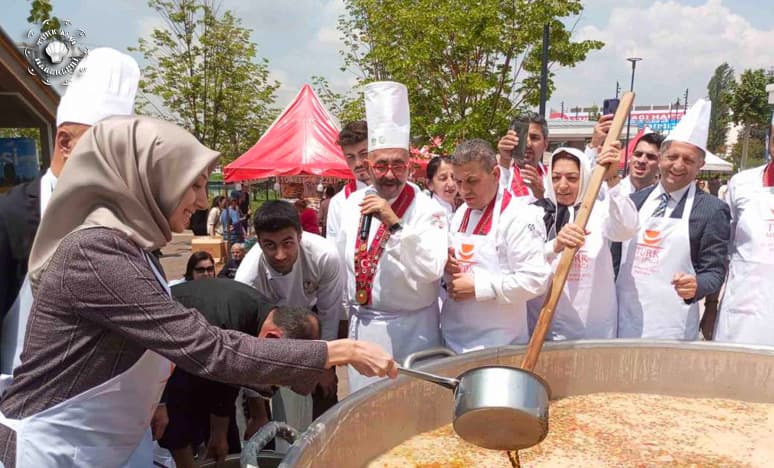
pixel 469 66
pixel 343 106
pixel 204 68
pixel 749 103
pixel 40 13
pixel 719 91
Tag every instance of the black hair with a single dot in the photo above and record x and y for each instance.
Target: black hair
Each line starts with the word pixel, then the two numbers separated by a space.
pixel 330 191
pixel 275 215
pixel 534 117
pixel 216 201
pixel 352 133
pixel 298 323
pixel 195 258
pixel 653 139
pixel 435 164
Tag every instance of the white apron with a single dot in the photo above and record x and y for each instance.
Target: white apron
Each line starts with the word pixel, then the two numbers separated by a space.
pixel 648 304
pixel 747 309
pixel 399 333
pixel 587 308
pixel 470 325
pixel 99 427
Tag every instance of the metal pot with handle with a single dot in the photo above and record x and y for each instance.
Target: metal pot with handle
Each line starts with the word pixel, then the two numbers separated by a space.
pixel 496 407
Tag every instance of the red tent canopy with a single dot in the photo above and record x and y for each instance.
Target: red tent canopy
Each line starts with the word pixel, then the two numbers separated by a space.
pixel 302 141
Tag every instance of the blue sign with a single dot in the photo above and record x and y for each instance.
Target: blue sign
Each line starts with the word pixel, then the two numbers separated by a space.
pixel 18 161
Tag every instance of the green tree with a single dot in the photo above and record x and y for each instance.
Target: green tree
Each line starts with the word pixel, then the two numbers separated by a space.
pixel 205 70
pixel 749 104
pixel 756 150
pixel 345 107
pixel 469 66
pixel 40 13
pixel 719 88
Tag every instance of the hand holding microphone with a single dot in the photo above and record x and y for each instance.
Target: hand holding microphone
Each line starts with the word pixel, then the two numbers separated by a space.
pixel 375 206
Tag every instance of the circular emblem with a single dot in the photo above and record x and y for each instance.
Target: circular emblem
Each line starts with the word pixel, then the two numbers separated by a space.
pixel 362 297
pixel 53 54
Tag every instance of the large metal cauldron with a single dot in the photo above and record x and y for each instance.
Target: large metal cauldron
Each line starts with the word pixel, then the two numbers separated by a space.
pixel 383 415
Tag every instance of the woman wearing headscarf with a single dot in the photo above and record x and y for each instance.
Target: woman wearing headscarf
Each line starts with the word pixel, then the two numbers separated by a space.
pixel 588 308
pixel 104 333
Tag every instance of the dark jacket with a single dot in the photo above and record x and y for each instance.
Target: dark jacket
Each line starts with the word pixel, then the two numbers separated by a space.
pixel 19 220
pixel 709 229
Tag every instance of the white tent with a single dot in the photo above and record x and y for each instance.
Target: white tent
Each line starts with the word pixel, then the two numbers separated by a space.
pixel 715 164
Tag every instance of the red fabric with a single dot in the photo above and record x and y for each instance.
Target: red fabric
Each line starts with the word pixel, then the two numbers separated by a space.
pixel 302 141
pixel 485 223
pixel 768 175
pixel 627 154
pixel 518 187
pixel 309 221
pixel 349 188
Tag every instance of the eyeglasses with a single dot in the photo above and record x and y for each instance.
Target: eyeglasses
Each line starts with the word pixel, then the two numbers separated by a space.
pixel 397 167
pixel 209 269
pixel 651 156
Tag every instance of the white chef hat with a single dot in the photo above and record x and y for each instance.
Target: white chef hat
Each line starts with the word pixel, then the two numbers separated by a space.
pixel 104 84
pixel 387 114
pixel 693 128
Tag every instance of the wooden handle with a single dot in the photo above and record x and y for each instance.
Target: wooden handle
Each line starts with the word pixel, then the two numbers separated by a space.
pixel 568 254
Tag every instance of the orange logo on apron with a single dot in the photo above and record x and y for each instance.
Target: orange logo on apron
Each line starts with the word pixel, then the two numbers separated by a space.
pixel 466 254
pixel 648 253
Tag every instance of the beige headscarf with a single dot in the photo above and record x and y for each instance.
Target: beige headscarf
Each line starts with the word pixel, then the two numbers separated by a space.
pixel 126 173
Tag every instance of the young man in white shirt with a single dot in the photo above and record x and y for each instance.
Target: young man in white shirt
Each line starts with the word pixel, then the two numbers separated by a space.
pixel 295 268
pixel 353 140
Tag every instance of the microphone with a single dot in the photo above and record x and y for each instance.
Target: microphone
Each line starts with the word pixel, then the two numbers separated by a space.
pixel 365 226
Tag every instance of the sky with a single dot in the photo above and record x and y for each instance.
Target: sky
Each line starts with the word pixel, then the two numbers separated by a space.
pixel 681 42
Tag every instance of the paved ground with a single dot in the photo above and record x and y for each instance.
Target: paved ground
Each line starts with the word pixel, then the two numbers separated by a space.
pixel 175 255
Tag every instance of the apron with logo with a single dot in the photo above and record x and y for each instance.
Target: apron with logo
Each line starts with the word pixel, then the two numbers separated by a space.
pixel 587 308
pixel 99 427
pixel 470 325
pixel 648 304
pixel 747 309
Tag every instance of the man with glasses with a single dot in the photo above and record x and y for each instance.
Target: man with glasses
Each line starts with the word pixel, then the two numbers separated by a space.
pixel 393 240
pixel 353 140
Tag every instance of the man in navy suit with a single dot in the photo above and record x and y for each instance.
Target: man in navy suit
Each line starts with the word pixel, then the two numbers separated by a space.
pixel 678 256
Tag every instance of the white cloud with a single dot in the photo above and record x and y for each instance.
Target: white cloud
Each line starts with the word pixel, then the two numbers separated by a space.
pixel 680 45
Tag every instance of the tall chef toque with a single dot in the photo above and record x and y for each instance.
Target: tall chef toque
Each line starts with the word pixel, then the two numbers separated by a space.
pixel 387 114
pixel 103 84
pixel 693 128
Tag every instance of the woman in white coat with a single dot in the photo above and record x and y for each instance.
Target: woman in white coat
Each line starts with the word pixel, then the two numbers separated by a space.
pixel 440 181
pixel 587 308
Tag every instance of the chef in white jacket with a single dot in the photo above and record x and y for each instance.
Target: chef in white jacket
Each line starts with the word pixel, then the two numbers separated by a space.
pixel 496 263
pixel 393 240
pixel 353 140
pixel 587 308
pixel 747 309
pixel 294 268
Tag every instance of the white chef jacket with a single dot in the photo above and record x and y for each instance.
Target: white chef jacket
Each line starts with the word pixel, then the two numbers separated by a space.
pixel 315 280
pixel 411 266
pixel 335 207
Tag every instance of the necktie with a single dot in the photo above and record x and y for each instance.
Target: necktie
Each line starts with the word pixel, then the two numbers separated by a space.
pixel 661 208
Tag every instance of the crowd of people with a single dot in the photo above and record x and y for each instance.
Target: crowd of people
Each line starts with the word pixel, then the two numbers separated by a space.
pixel 101 354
